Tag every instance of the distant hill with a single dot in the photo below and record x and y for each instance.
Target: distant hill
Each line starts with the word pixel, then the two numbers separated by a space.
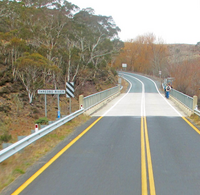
pixel 182 52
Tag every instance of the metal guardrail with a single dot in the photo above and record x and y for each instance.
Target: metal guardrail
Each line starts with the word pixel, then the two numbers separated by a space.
pixel 89 102
pixel 16 147
pixel 197 112
pixel 96 98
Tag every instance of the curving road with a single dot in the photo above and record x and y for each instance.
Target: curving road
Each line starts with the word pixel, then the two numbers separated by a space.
pixel 137 144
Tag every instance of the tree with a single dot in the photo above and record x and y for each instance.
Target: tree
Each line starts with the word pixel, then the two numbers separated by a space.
pixel 30 71
pixel 143 55
pixel 96 38
pixel 76 45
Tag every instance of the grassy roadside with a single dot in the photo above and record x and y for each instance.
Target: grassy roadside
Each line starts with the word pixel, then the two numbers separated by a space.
pixel 195 119
pixel 18 164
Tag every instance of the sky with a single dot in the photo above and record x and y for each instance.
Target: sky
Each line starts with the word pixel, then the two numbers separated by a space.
pixel 172 21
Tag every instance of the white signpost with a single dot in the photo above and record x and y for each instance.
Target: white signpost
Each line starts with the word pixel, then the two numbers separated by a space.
pixel 51 92
pixel 160 73
pixel 124 66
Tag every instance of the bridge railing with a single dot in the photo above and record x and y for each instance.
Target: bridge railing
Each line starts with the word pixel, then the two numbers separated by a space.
pixel 96 98
pixel 185 99
pixel 188 101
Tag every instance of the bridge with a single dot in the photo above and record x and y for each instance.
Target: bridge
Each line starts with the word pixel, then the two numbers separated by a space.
pixel 138 143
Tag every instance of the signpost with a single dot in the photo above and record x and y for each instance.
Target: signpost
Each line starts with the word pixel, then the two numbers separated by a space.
pixel 124 66
pixel 160 73
pixel 51 92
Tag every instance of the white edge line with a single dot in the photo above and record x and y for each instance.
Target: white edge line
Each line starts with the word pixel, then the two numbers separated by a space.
pixel 119 99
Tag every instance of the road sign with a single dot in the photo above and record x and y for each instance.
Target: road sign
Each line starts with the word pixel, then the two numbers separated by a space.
pixel 124 65
pixel 49 91
pixel 70 89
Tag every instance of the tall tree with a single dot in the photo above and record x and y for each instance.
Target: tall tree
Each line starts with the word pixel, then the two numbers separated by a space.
pixel 30 70
pixel 143 55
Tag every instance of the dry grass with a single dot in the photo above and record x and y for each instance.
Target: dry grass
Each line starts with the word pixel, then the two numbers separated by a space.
pixel 195 119
pixel 17 164
pixel 125 85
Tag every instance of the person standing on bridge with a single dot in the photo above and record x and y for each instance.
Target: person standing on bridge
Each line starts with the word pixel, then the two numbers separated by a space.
pixel 168 89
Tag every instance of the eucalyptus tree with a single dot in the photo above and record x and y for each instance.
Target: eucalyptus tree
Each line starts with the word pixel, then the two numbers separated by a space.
pixel 95 37
pixel 12 43
pixel 94 32
pixel 30 69
pixel 71 42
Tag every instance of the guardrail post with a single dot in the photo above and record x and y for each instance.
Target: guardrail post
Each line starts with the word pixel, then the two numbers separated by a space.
pixel 195 99
pixel 81 97
pixel 119 85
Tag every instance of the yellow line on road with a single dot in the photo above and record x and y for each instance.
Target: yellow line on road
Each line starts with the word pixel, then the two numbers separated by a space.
pixel 189 123
pixel 146 156
pixel 149 162
pixel 42 169
pixel 143 162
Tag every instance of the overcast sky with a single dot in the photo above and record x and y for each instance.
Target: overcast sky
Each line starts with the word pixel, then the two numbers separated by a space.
pixel 175 21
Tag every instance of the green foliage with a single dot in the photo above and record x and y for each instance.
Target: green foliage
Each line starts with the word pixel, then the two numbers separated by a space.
pixel 114 72
pixel 42 121
pixel 5 137
pixel 43 45
pixel 5 108
pixel 18 170
pixel 34 60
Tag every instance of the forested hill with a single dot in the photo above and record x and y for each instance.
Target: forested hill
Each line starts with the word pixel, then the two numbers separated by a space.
pixel 43 45
pixel 46 43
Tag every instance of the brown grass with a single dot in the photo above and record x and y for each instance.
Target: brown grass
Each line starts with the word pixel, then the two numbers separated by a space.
pixel 17 164
pixel 125 85
pixel 195 119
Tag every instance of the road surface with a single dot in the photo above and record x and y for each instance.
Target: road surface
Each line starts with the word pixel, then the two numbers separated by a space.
pixel 137 144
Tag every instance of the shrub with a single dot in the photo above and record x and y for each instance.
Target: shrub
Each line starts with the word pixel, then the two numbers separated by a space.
pixel 113 71
pixel 5 137
pixel 42 121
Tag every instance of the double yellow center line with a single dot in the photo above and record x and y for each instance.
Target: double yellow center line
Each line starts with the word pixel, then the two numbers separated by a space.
pixel 146 162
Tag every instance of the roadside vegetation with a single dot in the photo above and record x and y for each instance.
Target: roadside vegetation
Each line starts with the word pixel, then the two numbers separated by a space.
pixel 43 45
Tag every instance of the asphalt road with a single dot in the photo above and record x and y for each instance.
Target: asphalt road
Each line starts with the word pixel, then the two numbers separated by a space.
pixel 140 145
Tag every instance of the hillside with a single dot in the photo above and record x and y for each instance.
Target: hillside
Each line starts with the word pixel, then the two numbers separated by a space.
pixel 182 52
pixel 18 116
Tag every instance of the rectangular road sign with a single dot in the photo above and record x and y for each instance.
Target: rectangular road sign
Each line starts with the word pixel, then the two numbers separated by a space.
pixel 49 91
pixel 124 65
pixel 70 89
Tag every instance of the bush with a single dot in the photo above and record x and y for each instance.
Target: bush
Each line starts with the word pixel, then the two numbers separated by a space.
pixel 5 108
pixel 113 71
pixel 42 121
pixel 5 138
